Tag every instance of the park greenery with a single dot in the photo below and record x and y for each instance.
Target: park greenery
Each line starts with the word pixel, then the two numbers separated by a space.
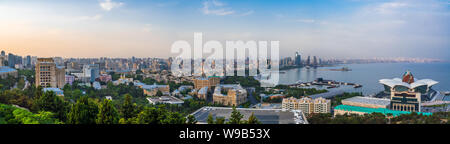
pixel 378 118
pixel 82 104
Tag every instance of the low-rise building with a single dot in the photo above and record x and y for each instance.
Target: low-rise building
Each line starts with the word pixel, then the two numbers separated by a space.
pixel 265 116
pixel 57 91
pixel 230 95
pixel 165 100
pixel 367 102
pixel 348 109
pixel 123 80
pixel 105 78
pixel 203 93
pixel 5 71
pixel 307 105
pixel 206 82
pixel 97 85
pixel 152 90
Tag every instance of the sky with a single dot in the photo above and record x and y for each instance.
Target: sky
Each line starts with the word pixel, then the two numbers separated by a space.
pixel 148 28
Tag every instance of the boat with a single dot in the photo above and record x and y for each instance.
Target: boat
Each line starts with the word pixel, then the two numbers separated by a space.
pixel 357 86
pixel 447 93
pixel 341 69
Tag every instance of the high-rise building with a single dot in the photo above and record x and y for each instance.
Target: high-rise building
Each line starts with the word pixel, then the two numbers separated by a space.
pixel 298 59
pixel 11 60
pixel 308 61
pixel 315 61
pixel 48 74
pixel 28 61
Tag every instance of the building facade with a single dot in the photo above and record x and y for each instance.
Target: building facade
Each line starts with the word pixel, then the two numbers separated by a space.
pixel 48 74
pixel 206 82
pixel 407 93
pixel 307 105
pixel 230 95
pixel 6 71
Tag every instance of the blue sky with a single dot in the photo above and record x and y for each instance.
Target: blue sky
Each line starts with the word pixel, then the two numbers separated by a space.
pixel 147 28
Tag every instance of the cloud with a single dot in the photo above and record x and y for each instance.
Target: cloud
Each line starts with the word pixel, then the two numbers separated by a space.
pixel 390 7
pixel 108 5
pixel 247 13
pixel 90 18
pixel 147 28
pixel 215 7
pixel 306 20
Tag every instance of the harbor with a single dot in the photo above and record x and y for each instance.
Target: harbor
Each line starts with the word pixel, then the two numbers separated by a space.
pixel 329 84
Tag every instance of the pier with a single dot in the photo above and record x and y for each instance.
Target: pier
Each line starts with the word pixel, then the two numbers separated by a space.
pixel 321 82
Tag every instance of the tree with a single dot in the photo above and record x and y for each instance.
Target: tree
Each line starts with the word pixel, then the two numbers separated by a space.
pixel 220 120
pixel 159 93
pixel 26 117
pixel 107 113
pixel 191 120
pixel 235 117
pixel 50 102
pixel 128 107
pixel 253 120
pixel 83 112
pixel 21 83
pixel 38 92
pixel 173 118
pixel 210 119
pixel 148 116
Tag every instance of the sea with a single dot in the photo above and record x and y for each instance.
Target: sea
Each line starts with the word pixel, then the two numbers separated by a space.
pixel 368 75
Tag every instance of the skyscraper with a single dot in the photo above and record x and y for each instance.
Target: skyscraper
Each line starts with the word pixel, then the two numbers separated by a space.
pixel 11 60
pixel 28 61
pixel 315 61
pixel 308 61
pixel 298 59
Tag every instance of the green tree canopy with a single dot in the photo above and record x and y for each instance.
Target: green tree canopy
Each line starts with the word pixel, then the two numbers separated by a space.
pixel 107 113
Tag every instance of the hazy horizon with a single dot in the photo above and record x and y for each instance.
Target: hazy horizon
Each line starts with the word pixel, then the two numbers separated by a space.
pixel 324 28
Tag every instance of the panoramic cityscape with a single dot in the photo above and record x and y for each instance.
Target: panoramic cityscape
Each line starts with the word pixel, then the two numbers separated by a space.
pixel 131 62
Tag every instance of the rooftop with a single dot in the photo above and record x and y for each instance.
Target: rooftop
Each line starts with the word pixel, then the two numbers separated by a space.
pixel 4 69
pixel 368 100
pixel 265 116
pixel 165 100
pixel 399 82
pixel 375 110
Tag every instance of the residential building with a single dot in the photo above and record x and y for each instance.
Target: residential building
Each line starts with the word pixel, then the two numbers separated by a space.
pixel 69 79
pixel 307 105
pixel 48 74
